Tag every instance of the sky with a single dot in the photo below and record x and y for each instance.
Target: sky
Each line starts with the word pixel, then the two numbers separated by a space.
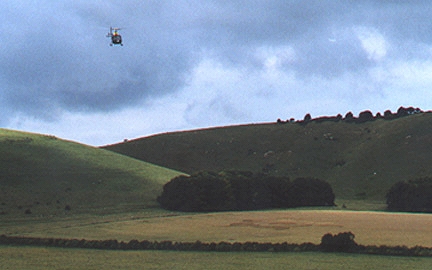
pixel 190 64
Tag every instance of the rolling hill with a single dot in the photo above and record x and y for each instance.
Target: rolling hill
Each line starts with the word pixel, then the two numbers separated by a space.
pixel 360 160
pixel 44 175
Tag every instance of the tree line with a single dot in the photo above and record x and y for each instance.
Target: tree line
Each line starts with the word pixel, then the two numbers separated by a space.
pixel 239 190
pixel 341 242
pixel 364 116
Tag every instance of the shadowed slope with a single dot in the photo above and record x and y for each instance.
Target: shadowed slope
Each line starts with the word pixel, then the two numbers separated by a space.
pixel 359 160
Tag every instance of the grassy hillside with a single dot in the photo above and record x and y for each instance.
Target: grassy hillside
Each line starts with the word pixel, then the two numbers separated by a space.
pixel 46 175
pixel 360 160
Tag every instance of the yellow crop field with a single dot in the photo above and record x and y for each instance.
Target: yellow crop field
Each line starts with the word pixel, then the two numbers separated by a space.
pixel 292 226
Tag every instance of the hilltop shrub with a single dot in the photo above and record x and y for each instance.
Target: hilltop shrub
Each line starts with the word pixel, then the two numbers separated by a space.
pixel 307 118
pixel 388 115
pixel 235 190
pixel 349 117
pixel 365 116
pixel 411 196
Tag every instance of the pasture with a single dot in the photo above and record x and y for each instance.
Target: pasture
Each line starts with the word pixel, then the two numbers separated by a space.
pixel 58 258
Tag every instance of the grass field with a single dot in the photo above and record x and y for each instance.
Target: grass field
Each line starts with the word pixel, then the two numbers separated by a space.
pixel 292 226
pixel 42 174
pixel 57 258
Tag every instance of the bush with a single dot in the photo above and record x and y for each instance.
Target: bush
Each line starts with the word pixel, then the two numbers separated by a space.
pixel 411 196
pixel 365 116
pixel 388 115
pixel 349 117
pixel 307 118
pixel 341 242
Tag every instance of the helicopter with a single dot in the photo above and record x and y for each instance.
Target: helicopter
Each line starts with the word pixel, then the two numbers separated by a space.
pixel 116 38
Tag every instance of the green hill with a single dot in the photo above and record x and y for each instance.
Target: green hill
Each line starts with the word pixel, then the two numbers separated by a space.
pixel 360 160
pixel 44 175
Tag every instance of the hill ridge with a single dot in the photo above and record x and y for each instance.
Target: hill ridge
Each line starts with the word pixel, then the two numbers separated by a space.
pixel 45 175
pixel 361 157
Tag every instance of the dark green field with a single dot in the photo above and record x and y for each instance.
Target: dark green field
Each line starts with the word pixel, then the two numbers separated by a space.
pixel 360 161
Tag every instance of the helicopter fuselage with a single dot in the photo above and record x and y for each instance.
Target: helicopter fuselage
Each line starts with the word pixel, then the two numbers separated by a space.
pixel 116 39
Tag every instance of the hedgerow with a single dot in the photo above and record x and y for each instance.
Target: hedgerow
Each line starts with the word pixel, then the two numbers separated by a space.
pixel 342 242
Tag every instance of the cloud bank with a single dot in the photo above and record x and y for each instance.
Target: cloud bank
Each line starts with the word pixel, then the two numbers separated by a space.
pixel 193 64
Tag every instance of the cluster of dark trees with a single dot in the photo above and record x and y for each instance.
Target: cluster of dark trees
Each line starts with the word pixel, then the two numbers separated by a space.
pixel 411 196
pixel 237 190
pixel 342 242
pixel 364 116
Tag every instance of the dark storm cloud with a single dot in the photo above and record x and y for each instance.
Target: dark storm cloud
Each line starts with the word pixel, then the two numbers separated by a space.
pixel 238 26
pixel 56 57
